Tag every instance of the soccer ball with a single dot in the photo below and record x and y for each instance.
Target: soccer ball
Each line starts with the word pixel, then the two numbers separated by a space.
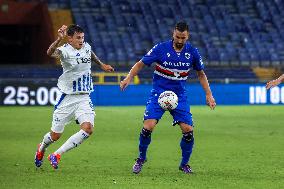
pixel 168 100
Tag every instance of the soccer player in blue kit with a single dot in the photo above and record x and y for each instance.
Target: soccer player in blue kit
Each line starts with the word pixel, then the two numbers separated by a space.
pixel 174 59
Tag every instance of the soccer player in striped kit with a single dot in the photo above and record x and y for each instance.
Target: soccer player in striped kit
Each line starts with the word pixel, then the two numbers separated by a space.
pixel 174 59
pixel 75 84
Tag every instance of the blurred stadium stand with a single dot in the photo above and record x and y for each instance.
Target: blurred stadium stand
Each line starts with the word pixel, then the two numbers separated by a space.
pixel 233 36
pixel 226 31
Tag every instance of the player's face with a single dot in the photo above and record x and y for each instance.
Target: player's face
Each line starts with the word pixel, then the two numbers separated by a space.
pixel 180 39
pixel 76 40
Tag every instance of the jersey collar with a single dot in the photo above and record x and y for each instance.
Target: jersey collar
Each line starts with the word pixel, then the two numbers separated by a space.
pixel 178 53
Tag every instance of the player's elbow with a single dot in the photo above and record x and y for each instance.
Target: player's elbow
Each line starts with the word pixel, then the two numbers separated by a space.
pixel 48 53
pixel 201 74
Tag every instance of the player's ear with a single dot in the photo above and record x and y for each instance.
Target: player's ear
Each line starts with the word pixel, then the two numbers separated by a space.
pixel 187 36
pixel 69 38
pixel 174 32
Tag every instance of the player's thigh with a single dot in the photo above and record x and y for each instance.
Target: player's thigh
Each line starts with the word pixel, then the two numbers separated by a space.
pixel 85 112
pixel 182 114
pixel 59 121
pixel 63 114
pixel 153 111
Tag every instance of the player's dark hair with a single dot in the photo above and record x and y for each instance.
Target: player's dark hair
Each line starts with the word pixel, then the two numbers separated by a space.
pixel 182 26
pixel 74 28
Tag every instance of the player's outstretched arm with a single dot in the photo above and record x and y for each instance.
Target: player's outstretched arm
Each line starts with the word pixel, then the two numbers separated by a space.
pixel 133 72
pixel 52 51
pixel 105 67
pixel 275 82
pixel 204 83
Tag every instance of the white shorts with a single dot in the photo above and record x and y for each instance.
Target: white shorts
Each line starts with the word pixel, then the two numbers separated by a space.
pixel 70 107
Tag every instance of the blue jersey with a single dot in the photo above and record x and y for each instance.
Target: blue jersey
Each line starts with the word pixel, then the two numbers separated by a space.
pixel 172 68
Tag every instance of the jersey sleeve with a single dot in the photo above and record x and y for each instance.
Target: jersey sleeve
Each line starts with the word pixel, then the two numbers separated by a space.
pixel 63 51
pixel 152 55
pixel 88 46
pixel 197 61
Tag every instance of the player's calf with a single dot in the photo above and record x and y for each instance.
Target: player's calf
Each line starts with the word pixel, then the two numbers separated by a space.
pixel 186 145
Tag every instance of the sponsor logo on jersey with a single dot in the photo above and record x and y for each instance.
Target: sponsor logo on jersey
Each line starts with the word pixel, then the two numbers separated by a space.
pixel 176 64
pixel 83 60
pixel 78 54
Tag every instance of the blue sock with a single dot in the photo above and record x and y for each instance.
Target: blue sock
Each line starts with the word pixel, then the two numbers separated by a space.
pixel 186 145
pixel 144 141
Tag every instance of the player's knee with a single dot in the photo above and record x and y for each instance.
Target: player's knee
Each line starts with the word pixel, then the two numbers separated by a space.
pixel 150 124
pixel 185 127
pixel 146 133
pixel 188 136
pixel 87 127
pixel 55 136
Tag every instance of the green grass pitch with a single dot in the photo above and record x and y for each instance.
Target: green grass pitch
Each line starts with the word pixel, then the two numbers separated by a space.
pixel 239 147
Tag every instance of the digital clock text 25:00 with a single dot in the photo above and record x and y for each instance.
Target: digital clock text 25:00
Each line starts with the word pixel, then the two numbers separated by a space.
pixel 23 95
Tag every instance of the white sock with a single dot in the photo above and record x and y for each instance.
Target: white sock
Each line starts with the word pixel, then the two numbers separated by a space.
pixel 74 141
pixel 45 142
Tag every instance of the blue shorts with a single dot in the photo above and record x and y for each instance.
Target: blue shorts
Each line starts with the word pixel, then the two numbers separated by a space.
pixel 180 114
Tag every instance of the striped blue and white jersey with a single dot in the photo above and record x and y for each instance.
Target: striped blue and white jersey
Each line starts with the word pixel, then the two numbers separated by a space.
pixel 76 77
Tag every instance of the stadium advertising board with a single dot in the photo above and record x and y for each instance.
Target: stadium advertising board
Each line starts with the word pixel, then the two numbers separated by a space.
pixel 259 95
pixel 30 94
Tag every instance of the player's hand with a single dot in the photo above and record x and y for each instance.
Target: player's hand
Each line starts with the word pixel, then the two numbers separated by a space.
pixel 62 32
pixel 124 83
pixel 210 101
pixel 107 68
pixel 273 83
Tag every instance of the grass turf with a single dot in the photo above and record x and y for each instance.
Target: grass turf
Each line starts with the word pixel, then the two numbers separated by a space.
pixel 235 147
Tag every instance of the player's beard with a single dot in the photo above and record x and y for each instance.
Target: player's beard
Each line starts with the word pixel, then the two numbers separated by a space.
pixel 179 46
